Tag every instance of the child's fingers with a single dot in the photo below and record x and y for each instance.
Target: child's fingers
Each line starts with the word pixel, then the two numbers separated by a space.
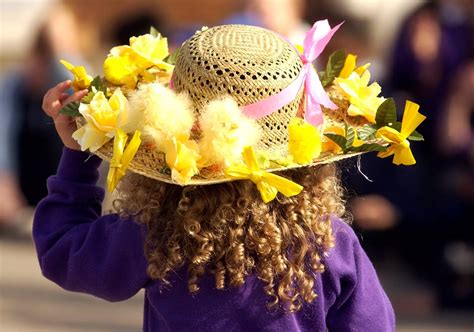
pixel 63 96
pixel 60 88
pixel 51 101
pixel 75 97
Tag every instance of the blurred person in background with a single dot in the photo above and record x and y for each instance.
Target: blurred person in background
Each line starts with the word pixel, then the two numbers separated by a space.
pixel 29 146
pixel 432 64
pixel 282 16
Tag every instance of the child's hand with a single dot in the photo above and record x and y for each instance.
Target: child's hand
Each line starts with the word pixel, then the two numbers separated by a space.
pixel 55 99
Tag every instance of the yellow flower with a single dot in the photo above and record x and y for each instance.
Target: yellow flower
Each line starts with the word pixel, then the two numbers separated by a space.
pixel 151 50
pixel 268 184
pixel 304 141
pixel 350 66
pixel 362 96
pixel 400 147
pixel 81 79
pixel 120 67
pixel 122 156
pixel 182 159
pixel 102 118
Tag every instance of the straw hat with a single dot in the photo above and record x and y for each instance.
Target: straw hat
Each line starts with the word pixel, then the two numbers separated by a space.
pixel 249 64
pixel 272 83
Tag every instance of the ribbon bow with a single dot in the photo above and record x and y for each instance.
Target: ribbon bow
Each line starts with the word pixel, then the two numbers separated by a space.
pixel 400 147
pixel 314 43
pixel 267 183
pixel 121 159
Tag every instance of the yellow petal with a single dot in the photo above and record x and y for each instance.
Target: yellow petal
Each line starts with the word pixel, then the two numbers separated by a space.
pixel 81 79
pixel 363 98
pixel 119 105
pixel 349 66
pixel 390 135
pixel 67 64
pixel 387 153
pixel 268 184
pixel 403 156
pixel 152 50
pixel 411 118
pixel 89 137
pixel 120 71
pixel 182 159
pixel 122 156
pixel 361 69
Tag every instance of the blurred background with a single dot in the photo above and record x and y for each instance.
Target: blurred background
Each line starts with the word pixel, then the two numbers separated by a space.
pixel 416 223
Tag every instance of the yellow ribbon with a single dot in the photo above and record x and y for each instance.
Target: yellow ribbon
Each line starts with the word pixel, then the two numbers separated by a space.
pixel 400 147
pixel 267 183
pixel 122 156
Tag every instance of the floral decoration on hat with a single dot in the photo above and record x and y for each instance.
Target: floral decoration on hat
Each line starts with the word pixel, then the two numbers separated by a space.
pixel 140 116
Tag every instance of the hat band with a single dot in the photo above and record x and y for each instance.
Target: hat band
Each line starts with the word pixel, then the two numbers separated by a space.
pixel 315 41
pixel 274 102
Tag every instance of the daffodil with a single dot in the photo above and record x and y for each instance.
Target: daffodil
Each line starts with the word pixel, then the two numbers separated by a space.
pixel 182 159
pixel 350 66
pixel 81 79
pixel 102 117
pixel 399 145
pixel 363 97
pixel 151 50
pixel 304 141
pixel 121 68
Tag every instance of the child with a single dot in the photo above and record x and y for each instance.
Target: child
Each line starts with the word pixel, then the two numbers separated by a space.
pixel 233 246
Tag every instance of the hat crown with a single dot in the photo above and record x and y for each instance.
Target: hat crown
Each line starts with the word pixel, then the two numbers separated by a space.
pixel 246 62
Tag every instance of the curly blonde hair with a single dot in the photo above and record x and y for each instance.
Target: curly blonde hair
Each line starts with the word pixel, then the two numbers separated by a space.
pixel 227 230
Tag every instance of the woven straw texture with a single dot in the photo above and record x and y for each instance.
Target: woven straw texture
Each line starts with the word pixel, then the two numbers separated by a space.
pixel 245 62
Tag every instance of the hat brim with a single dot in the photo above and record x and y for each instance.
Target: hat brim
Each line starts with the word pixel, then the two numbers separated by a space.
pixel 152 164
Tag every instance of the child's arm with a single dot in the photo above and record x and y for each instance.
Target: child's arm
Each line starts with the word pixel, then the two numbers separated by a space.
pixel 77 247
pixel 361 303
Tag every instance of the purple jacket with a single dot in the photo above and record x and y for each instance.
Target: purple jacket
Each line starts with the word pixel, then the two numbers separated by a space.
pixel 82 251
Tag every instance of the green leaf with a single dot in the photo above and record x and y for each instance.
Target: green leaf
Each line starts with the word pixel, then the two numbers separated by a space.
pixel 71 109
pixel 98 84
pixel 416 136
pixel 367 132
pixel 155 33
pixel 338 139
pixel 334 66
pixel 88 98
pixel 397 126
pixel 369 147
pixel 321 74
pixel 171 59
pixel 386 113
pixel 350 135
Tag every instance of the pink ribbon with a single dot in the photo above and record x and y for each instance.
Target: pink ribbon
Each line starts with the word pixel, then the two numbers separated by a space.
pixel 314 43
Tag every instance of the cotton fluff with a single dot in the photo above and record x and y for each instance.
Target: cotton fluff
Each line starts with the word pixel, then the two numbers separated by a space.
pixel 226 131
pixel 160 114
